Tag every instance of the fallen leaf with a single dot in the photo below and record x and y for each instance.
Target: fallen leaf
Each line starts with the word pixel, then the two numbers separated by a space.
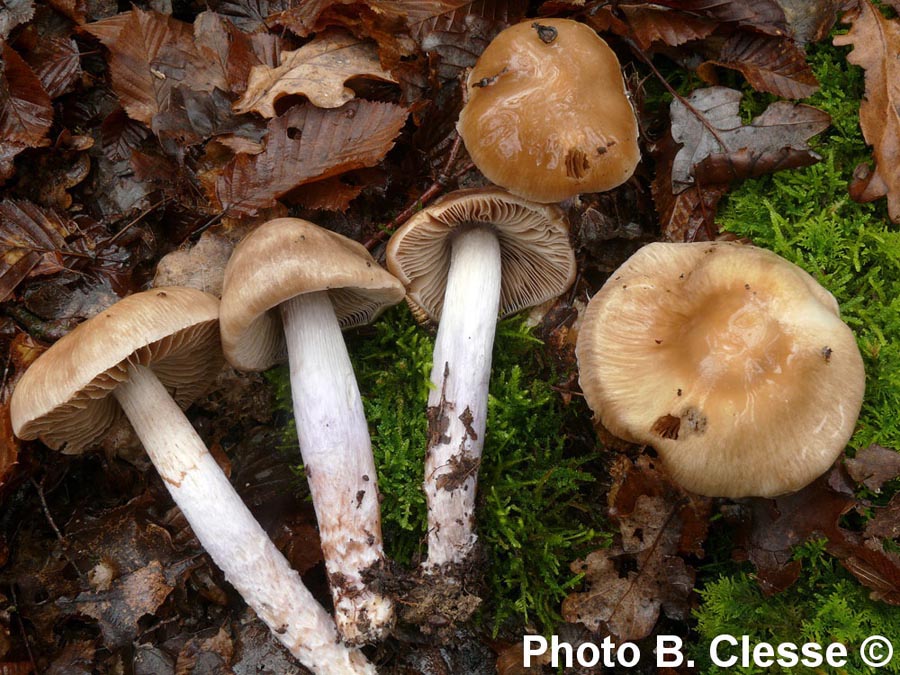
pixel 331 194
pixel 120 135
pixel 885 524
pixel 37 241
pixel 307 144
pixel 876 41
pixel 765 16
pixel 14 13
pixel 199 266
pixel 318 70
pixel 688 215
pixel 643 573
pixel 772 528
pixel 56 61
pixel 874 466
pixel 648 24
pixel 718 149
pixel 810 20
pixel 204 654
pixel 25 110
pixel 775 65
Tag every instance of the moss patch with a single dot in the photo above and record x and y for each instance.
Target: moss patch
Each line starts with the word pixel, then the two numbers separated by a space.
pixel 532 511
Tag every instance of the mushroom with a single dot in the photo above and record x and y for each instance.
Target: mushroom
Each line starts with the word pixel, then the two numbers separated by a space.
pixel 547 115
pixel 290 287
pixel 473 255
pixel 729 360
pixel 127 359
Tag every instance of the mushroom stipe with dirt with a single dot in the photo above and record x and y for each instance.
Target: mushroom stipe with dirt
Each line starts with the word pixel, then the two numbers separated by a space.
pixel 471 257
pixel 289 288
pixel 126 359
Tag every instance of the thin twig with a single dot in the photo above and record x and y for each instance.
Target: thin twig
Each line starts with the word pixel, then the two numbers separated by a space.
pixel 440 184
pixel 700 116
pixel 12 593
pixel 47 515
pixel 143 214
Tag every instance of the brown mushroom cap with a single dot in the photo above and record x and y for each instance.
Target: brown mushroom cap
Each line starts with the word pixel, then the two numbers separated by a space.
pixel 284 258
pixel 63 398
pixel 536 257
pixel 547 115
pixel 729 360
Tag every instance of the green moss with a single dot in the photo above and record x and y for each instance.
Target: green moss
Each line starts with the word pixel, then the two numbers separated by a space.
pixel 531 509
pixel 826 605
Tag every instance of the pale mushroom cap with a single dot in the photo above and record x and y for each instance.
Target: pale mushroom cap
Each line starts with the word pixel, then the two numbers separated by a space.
pixel 284 258
pixel 536 257
pixel 548 121
pixel 729 360
pixel 63 398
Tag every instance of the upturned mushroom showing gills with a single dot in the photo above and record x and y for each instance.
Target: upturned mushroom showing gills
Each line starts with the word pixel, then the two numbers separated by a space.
pixel 127 359
pixel 729 360
pixel 547 115
pixel 469 258
pixel 290 287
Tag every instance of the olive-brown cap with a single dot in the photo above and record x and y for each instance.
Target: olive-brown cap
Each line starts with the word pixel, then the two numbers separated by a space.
pixel 547 115
pixel 63 398
pixel 287 257
pixel 536 257
pixel 729 360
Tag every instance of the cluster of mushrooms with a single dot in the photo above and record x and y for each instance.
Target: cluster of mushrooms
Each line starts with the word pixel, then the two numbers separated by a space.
pixel 719 355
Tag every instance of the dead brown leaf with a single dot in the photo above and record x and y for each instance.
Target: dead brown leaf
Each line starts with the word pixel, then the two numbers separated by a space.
pixel 874 466
pixel 643 572
pixel 772 529
pixel 718 148
pixel 25 110
pixel 307 144
pixel 318 70
pixel 771 64
pixel 14 13
pixel 36 241
pixel 764 16
pixel 876 41
pixel 647 24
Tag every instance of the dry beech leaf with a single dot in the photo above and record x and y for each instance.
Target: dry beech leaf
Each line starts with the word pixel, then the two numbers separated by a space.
pixel 318 70
pixel 690 214
pixel 765 16
pixel 874 466
pixel 306 144
pixel 14 13
pixel 643 573
pixel 647 24
pixel 876 41
pixel 777 525
pixel 771 64
pixel 25 110
pixel 718 148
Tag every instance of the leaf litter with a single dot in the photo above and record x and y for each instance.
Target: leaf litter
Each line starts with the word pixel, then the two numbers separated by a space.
pixel 127 136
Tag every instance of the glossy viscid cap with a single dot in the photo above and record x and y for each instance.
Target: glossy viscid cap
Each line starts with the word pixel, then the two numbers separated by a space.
pixel 284 258
pixel 64 397
pixel 536 257
pixel 729 360
pixel 547 115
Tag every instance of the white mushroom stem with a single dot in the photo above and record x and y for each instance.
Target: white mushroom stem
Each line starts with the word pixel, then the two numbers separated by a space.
pixel 337 454
pixel 228 531
pixel 457 404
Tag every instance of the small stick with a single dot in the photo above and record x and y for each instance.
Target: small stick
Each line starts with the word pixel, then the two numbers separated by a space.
pixel 443 179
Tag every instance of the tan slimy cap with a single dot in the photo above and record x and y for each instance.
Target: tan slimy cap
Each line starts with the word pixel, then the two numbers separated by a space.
pixel 536 257
pixel 63 398
pixel 284 258
pixel 729 360
pixel 547 115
